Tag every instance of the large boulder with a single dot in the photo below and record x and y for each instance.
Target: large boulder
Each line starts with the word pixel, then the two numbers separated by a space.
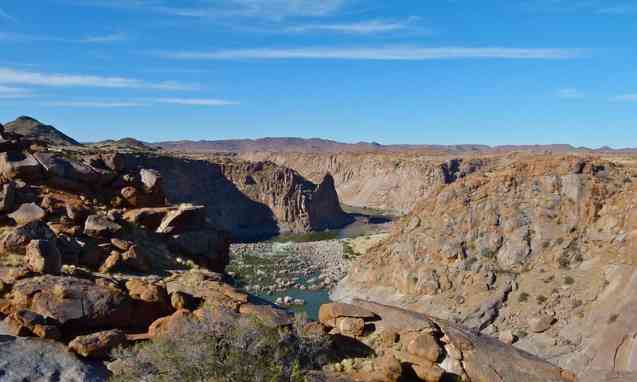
pixel 98 345
pixel 76 304
pixel 100 227
pixel 149 218
pixel 43 256
pixel 151 179
pixel 29 359
pixel 69 172
pixel 15 164
pixel 187 217
pixel 25 323
pixel 207 286
pixel 328 313
pixel 27 213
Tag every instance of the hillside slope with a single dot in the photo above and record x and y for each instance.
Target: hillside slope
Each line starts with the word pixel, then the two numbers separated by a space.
pixel 538 248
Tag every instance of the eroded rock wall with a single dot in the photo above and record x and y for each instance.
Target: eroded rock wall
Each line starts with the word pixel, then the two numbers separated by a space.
pixel 392 182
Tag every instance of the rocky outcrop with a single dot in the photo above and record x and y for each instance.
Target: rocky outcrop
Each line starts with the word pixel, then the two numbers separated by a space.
pixel 297 204
pixel 530 250
pixel 412 346
pixel 392 182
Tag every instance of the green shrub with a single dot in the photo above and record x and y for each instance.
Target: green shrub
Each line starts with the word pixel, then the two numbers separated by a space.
pixel 244 350
pixel 524 297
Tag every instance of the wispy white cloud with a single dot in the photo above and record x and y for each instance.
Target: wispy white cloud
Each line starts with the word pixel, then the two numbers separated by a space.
pixel 196 101
pixel 112 104
pixel 383 53
pixel 602 7
pixel 95 39
pixel 12 92
pixel 12 76
pixel 626 98
pixel 270 9
pixel 569 93
pixel 363 27
pixel 94 104
pixel 619 9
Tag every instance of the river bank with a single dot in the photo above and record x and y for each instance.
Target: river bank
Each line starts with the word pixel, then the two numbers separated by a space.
pixel 304 272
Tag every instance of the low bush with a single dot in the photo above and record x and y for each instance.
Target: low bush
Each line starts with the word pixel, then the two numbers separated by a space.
pixel 244 350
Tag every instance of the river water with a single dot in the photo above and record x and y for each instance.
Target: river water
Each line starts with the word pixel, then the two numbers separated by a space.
pixel 300 266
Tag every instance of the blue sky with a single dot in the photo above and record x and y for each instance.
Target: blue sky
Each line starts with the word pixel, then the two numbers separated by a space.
pixel 445 72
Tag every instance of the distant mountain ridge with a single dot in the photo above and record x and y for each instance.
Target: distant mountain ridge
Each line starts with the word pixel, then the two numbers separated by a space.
pixel 31 127
pixel 318 145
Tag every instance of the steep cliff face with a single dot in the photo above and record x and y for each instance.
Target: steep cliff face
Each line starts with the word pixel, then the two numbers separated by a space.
pixel 387 181
pixel 542 247
pixel 250 200
pixel 297 204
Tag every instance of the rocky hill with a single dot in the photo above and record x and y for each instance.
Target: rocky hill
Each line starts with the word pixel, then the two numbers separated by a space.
pixel 537 250
pixel 386 181
pixel 34 129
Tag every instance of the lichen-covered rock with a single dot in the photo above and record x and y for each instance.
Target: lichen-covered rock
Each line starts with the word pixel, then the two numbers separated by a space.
pixel 29 359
